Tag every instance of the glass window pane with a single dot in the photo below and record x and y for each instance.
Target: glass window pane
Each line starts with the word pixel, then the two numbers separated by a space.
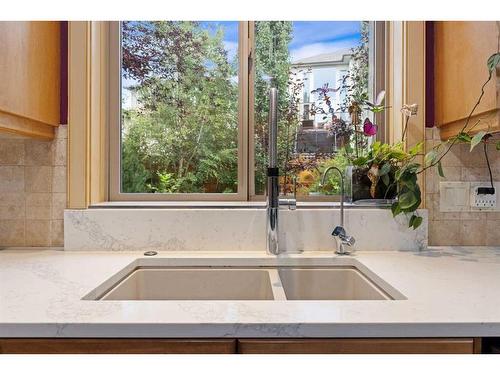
pixel 179 122
pixel 319 68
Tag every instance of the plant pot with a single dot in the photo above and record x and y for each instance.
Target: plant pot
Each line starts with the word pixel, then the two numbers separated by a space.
pixel 358 186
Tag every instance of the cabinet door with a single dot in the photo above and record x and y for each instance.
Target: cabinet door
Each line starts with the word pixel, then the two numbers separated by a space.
pixel 117 346
pixel 461 50
pixel 30 77
pixel 356 346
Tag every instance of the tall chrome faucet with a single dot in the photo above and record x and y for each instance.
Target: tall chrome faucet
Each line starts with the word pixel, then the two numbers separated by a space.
pixel 273 200
pixel 339 233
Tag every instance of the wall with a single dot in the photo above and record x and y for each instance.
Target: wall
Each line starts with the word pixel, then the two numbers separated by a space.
pixel 461 228
pixel 32 190
pixel 33 194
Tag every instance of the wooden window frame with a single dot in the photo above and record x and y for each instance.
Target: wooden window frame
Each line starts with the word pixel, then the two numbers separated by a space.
pixel 92 109
pixel 88 59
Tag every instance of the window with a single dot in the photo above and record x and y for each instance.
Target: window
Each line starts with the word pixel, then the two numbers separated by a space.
pixel 193 106
pixel 180 109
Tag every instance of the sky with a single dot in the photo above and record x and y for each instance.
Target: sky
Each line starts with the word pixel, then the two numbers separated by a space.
pixel 316 37
pixel 309 37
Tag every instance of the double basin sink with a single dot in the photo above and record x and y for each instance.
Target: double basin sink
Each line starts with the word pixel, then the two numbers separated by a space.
pixel 158 282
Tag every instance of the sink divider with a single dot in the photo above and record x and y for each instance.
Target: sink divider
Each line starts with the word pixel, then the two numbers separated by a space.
pixel 277 287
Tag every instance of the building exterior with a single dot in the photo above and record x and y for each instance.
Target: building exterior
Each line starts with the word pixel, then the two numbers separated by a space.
pixel 318 71
pixel 129 98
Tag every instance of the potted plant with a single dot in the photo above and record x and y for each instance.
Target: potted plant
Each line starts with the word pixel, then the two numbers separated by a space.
pixel 389 171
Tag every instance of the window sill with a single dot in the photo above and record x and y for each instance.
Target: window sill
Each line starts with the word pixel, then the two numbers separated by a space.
pixel 218 205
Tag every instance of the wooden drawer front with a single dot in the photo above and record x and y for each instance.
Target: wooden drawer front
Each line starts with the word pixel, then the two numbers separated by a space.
pixel 117 346
pixel 356 346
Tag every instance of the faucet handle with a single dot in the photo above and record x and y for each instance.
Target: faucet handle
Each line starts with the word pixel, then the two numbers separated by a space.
pixel 339 231
pixel 342 240
pixel 291 203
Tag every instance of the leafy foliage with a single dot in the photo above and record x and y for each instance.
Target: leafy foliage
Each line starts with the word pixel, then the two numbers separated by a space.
pixel 493 62
pixel 182 137
pixel 383 158
pixel 409 195
pixel 467 134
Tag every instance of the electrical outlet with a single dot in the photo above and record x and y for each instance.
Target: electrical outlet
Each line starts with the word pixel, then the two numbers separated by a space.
pixel 483 196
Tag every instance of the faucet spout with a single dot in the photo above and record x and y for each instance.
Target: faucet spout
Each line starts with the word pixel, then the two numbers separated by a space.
pixel 273 175
pixel 342 240
pixel 323 179
pixel 273 200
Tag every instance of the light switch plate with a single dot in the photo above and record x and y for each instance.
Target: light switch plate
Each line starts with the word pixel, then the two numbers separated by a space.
pixel 454 196
pixel 486 202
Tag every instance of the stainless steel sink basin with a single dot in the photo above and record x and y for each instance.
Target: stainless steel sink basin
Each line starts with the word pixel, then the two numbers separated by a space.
pixel 245 279
pixel 340 283
pixel 193 284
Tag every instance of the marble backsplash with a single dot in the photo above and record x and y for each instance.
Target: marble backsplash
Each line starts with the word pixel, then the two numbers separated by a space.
pixel 235 229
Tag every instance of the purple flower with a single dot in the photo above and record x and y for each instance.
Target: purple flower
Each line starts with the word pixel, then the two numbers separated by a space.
pixel 369 128
pixel 324 90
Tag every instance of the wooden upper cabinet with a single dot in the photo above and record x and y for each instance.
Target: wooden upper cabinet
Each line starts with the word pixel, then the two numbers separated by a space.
pixel 461 50
pixel 29 78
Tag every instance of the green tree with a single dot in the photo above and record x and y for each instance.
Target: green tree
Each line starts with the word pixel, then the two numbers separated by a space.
pixel 183 135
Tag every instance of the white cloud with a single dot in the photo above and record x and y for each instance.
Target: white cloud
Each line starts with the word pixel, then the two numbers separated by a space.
pixel 318 48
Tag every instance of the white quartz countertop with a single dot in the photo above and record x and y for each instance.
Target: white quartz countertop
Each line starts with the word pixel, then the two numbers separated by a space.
pixel 450 291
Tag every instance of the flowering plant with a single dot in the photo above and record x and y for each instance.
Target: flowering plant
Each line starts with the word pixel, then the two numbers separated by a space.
pixel 393 166
pixel 383 158
pixel 396 169
pixel 389 168
pixel 339 127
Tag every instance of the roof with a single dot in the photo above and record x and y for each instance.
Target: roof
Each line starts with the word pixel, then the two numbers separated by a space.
pixel 324 58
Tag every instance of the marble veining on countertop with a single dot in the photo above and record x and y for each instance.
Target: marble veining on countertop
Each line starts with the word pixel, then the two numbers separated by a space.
pixel 450 291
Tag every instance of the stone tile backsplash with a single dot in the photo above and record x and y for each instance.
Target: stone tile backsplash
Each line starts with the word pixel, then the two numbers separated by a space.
pixel 33 193
pixel 32 190
pixel 461 228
